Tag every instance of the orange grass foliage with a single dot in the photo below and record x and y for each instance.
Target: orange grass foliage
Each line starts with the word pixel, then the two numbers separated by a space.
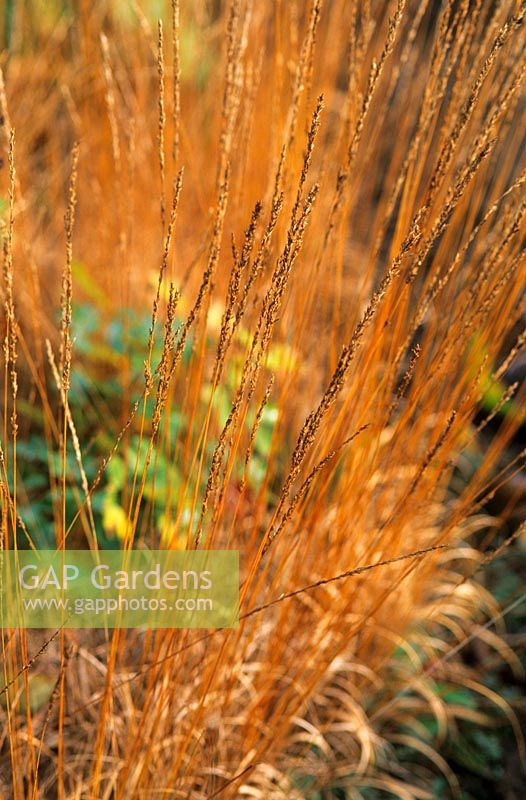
pixel 346 179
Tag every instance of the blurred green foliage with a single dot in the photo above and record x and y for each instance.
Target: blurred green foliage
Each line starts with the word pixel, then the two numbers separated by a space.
pixel 110 350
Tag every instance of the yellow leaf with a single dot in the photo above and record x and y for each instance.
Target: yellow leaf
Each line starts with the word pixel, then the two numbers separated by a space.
pixel 114 519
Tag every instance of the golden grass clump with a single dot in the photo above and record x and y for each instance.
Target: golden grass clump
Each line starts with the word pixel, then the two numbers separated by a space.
pixel 321 206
